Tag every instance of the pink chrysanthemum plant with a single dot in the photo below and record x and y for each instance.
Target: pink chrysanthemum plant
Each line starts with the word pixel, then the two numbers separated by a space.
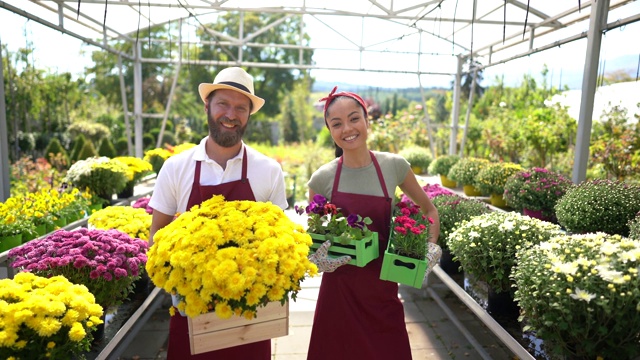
pixel 107 262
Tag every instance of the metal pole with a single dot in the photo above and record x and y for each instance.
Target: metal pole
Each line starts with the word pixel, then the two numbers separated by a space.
pixel 466 120
pixel 455 113
pixel 137 99
pixel 123 94
pixel 5 183
pixel 598 20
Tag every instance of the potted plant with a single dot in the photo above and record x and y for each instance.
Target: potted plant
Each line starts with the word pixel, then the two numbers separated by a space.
pixel 137 169
pixel 101 175
pixel 134 222
pixel 409 258
pixel 535 192
pixel 486 246
pixel 418 157
pixel 441 166
pixel 579 294
pixel 349 235
pixel 46 318
pixel 244 254
pixel 465 171
pixel 599 205
pixel 452 211
pixel 107 262
pixel 491 180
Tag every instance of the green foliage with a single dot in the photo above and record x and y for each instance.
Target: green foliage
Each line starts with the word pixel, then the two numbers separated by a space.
pixel 492 178
pixel 106 149
pixel 442 164
pixel 536 189
pixel 486 245
pixel 103 176
pixel 634 227
pixel 453 209
pixel 465 170
pixel 55 148
pixel 417 156
pixel 78 144
pixel 148 141
pixel 579 293
pixel 599 205
pixel 616 145
pixel 121 146
pixel 87 151
pixel 548 131
pixel 324 138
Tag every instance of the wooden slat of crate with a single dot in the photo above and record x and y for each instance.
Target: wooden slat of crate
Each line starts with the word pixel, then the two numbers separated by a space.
pixel 208 332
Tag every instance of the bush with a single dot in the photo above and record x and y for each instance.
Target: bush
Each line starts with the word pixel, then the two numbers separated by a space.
pixel 87 151
pixel 486 245
pixel 442 164
pixel 418 157
pixel 599 205
pixel 106 149
pixel 78 144
pixel 492 178
pixel 122 147
pixel 54 148
pixel 453 210
pixel 536 189
pixel 580 295
pixel 464 171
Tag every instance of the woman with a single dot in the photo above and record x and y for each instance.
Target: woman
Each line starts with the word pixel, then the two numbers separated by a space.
pixel 359 316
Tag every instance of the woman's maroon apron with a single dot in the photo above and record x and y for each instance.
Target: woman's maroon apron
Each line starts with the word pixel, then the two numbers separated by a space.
pixel 359 316
pixel 178 329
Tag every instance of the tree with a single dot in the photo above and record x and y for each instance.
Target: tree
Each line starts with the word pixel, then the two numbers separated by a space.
pixel 107 149
pixel 88 150
pixel 78 144
pixel 55 148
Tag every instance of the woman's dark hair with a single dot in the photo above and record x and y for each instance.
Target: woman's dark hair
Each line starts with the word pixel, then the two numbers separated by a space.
pixel 338 150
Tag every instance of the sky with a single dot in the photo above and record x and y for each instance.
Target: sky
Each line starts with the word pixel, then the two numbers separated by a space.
pixel 620 49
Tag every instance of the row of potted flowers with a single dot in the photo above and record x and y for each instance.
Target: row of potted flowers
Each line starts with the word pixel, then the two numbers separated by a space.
pixel 569 283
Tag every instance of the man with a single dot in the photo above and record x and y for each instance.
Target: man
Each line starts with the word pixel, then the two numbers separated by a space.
pixel 220 164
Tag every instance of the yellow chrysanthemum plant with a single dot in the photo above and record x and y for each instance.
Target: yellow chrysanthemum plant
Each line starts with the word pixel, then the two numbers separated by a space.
pixel 231 257
pixel 135 222
pixel 46 318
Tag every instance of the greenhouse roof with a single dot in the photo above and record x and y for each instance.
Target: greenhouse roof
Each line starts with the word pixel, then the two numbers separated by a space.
pixel 366 35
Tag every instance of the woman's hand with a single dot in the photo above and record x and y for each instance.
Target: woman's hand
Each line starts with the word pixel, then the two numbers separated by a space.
pixel 325 263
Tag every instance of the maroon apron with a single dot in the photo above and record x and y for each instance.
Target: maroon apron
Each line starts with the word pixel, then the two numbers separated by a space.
pixel 359 316
pixel 178 327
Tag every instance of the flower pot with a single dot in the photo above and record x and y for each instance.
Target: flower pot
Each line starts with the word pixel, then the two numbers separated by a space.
pixel 41 229
pixel 502 305
pixel 402 269
pixel 60 222
pixel 9 242
pixel 416 170
pixel 93 208
pixel 127 192
pixel 361 251
pixel 208 332
pixel 446 182
pixel 471 190
pixel 497 200
pixel 447 263
pixel 536 214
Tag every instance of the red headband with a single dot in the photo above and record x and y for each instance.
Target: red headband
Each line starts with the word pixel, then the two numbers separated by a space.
pixel 333 95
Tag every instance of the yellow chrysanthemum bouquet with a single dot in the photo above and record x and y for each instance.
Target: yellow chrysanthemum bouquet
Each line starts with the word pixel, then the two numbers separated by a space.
pixel 230 257
pixel 45 318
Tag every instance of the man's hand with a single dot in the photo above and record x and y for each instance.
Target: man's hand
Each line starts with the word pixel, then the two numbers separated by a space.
pixel 325 263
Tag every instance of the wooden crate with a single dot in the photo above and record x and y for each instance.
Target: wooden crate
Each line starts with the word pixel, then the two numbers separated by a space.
pixel 208 332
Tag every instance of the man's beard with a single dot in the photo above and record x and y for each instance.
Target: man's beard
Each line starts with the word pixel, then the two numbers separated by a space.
pixel 223 136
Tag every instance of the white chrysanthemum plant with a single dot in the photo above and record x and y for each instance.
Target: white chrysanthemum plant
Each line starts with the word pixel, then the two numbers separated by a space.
pixel 486 245
pixel 580 294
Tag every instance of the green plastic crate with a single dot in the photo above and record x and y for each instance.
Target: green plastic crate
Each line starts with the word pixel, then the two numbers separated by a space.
pixel 362 251
pixel 402 269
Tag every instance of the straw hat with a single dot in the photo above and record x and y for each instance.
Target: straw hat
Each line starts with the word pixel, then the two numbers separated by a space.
pixel 232 78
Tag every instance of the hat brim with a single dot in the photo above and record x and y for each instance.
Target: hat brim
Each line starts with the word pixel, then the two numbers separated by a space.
pixel 206 89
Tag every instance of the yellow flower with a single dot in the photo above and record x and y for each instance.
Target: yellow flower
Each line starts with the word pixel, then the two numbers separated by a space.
pixel 230 256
